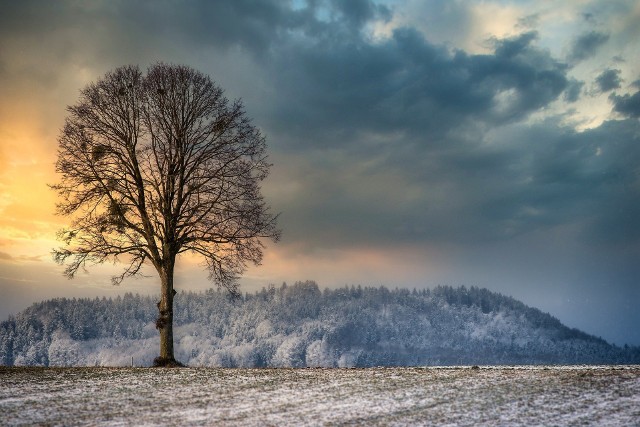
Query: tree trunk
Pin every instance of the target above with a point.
(164, 323)
(166, 314)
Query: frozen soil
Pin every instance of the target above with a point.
(538, 395)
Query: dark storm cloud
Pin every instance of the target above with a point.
(627, 105)
(525, 179)
(608, 80)
(405, 84)
(586, 45)
(574, 88)
(548, 175)
(359, 12)
(103, 34)
(590, 176)
(392, 139)
(395, 136)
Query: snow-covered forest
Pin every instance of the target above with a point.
(301, 325)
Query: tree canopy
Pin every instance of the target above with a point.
(153, 165)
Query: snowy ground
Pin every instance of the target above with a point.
(377, 396)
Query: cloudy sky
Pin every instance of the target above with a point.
(415, 143)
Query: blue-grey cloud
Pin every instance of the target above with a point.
(627, 105)
(586, 45)
(403, 111)
(529, 22)
(405, 84)
(573, 91)
(608, 80)
(359, 12)
(541, 177)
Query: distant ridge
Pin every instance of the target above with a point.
(300, 325)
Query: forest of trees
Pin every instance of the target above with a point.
(303, 326)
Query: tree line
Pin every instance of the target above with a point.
(301, 325)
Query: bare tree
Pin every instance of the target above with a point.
(156, 165)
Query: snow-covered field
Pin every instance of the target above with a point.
(539, 395)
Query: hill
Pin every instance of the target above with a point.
(300, 325)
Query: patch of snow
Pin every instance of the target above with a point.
(514, 395)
